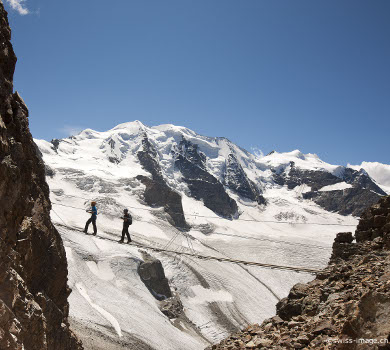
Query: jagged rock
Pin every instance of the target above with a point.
(351, 201)
(298, 291)
(362, 236)
(313, 178)
(324, 327)
(148, 159)
(157, 192)
(152, 274)
(236, 179)
(203, 185)
(33, 275)
(286, 308)
(49, 171)
(362, 180)
(344, 237)
(55, 143)
(379, 221)
(113, 160)
(364, 192)
(172, 307)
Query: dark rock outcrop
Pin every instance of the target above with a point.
(172, 307)
(152, 274)
(33, 267)
(375, 222)
(314, 178)
(351, 201)
(203, 185)
(361, 179)
(157, 192)
(55, 144)
(345, 307)
(238, 181)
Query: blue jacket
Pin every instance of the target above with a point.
(94, 212)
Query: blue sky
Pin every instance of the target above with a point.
(268, 74)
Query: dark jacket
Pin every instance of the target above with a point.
(127, 219)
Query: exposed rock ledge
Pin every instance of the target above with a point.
(347, 306)
(33, 268)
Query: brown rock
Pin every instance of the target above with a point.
(324, 327)
(362, 236)
(33, 274)
(250, 345)
(262, 342)
(344, 237)
(152, 274)
(379, 221)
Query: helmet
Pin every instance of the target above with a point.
(125, 210)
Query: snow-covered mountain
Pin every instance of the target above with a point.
(377, 171)
(191, 193)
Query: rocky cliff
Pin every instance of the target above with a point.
(347, 305)
(202, 185)
(363, 192)
(157, 192)
(33, 268)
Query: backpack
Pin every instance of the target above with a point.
(129, 220)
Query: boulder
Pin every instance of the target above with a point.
(152, 274)
(344, 237)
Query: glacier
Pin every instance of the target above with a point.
(272, 222)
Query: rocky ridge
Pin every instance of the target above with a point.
(157, 192)
(345, 307)
(203, 186)
(350, 201)
(33, 268)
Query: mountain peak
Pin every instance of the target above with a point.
(133, 125)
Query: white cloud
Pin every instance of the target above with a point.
(257, 152)
(378, 171)
(19, 6)
(69, 130)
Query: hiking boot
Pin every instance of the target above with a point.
(120, 241)
(129, 241)
(85, 232)
(94, 233)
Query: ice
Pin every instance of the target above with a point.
(335, 187)
(218, 297)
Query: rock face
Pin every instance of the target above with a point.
(152, 274)
(345, 307)
(363, 193)
(157, 192)
(203, 185)
(313, 178)
(238, 181)
(351, 201)
(33, 267)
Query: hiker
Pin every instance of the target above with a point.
(127, 221)
(92, 219)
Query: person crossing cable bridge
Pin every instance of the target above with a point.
(93, 212)
(127, 221)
